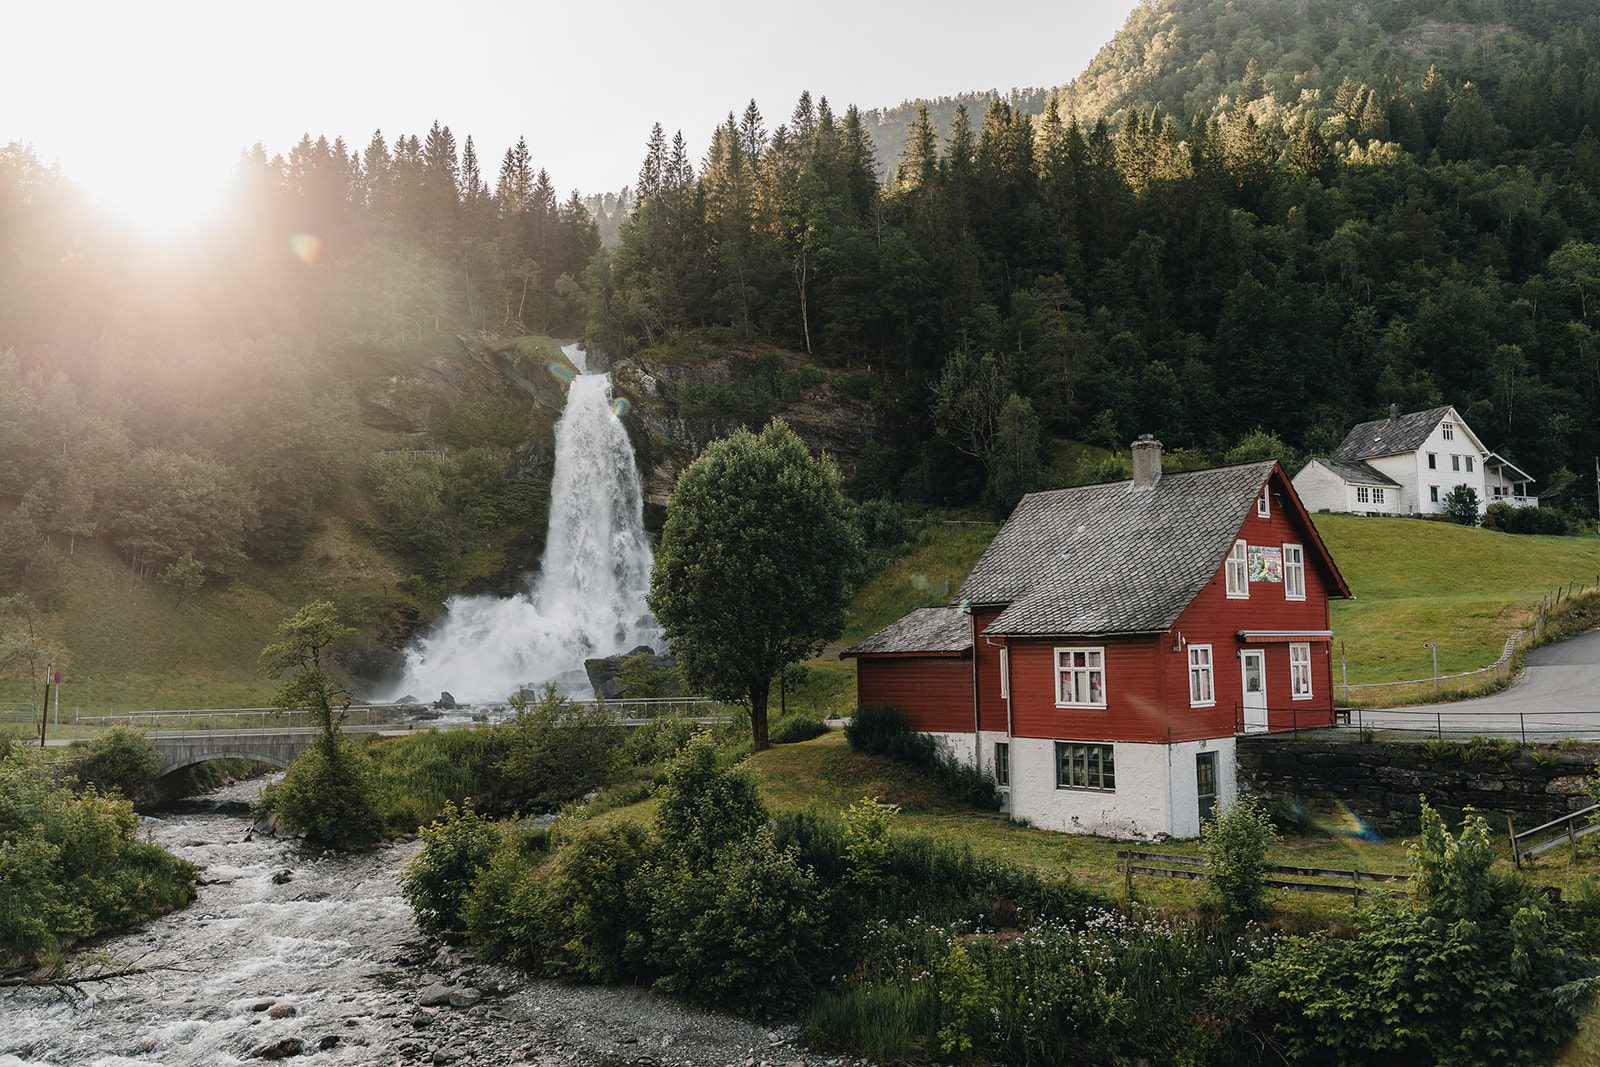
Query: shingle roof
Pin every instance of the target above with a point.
(924, 630)
(1389, 437)
(1103, 559)
(1358, 471)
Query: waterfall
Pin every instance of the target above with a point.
(589, 597)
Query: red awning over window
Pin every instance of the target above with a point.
(1283, 637)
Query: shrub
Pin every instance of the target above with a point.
(594, 914)
(705, 808)
(658, 740)
(455, 847)
(72, 866)
(503, 913)
(557, 751)
(740, 932)
(796, 727)
(1477, 962)
(1537, 520)
(1461, 505)
(328, 795)
(1236, 843)
(887, 732)
(123, 760)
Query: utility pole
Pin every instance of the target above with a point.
(44, 704)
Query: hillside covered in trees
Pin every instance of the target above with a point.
(1244, 216)
(1259, 215)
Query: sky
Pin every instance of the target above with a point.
(147, 105)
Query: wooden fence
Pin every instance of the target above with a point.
(1344, 882)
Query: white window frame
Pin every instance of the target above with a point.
(1097, 757)
(1300, 670)
(1455, 462)
(1449, 429)
(1363, 495)
(1005, 673)
(1433, 461)
(1236, 571)
(1088, 670)
(1264, 505)
(1377, 494)
(1433, 494)
(1469, 464)
(1294, 573)
(1002, 764)
(1202, 677)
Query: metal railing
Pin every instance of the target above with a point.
(1564, 830)
(1441, 722)
(1277, 720)
(186, 719)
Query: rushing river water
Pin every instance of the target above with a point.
(288, 952)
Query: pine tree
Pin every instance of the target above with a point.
(921, 160)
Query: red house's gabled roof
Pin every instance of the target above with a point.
(924, 632)
(1113, 558)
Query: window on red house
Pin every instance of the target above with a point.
(1300, 671)
(1202, 683)
(1081, 677)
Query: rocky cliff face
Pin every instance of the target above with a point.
(676, 411)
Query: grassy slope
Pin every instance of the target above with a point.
(1464, 588)
(140, 644)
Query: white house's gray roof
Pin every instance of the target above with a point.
(930, 630)
(1358, 471)
(1103, 559)
(1389, 437)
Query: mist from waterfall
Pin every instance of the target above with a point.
(589, 598)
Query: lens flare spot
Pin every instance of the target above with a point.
(919, 582)
(307, 246)
(620, 406)
(966, 606)
(560, 371)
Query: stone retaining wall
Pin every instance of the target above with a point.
(1380, 781)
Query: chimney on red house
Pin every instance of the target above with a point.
(1146, 462)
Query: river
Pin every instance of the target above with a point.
(287, 952)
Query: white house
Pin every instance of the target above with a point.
(1407, 465)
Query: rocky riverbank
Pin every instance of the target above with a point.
(286, 955)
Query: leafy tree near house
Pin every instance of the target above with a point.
(754, 567)
(1461, 504)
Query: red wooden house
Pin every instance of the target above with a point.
(1114, 639)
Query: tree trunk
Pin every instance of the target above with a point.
(758, 713)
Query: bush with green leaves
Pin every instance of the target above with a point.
(123, 760)
(740, 932)
(1476, 968)
(504, 911)
(795, 727)
(1113, 988)
(329, 795)
(455, 848)
(659, 740)
(704, 807)
(73, 865)
(557, 751)
(882, 731)
(1235, 844)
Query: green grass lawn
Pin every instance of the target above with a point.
(1466, 589)
(137, 644)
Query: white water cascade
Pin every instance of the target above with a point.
(589, 598)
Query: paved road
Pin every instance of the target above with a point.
(1558, 696)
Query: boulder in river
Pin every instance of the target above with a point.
(446, 702)
(281, 1049)
(634, 674)
(465, 997)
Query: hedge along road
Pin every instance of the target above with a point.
(1558, 696)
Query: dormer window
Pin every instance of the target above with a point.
(1449, 431)
(1263, 505)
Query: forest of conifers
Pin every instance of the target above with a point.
(1246, 215)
